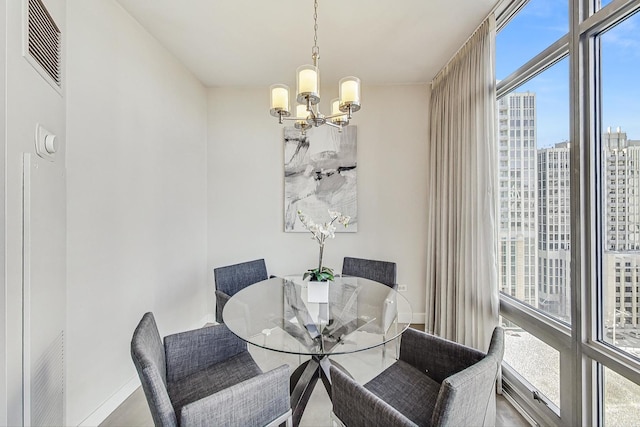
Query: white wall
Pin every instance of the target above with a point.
(137, 176)
(246, 184)
(29, 99)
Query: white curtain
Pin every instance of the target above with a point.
(462, 281)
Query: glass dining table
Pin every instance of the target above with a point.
(278, 314)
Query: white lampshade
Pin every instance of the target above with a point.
(349, 91)
(301, 111)
(335, 106)
(335, 109)
(279, 98)
(307, 84)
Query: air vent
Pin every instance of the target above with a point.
(47, 386)
(44, 40)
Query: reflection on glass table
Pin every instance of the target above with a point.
(276, 314)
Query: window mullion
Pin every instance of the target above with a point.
(619, 362)
(578, 411)
(545, 59)
(608, 16)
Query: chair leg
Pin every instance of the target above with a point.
(397, 348)
(396, 356)
(397, 340)
(335, 421)
(281, 421)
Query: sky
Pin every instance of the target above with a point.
(537, 26)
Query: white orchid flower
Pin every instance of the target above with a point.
(306, 221)
(320, 232)
(331, 232)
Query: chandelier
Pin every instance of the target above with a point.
(307, 112)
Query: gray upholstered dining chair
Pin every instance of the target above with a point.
(434, 383)
(380, 271)
(233, 278)
(206, 377)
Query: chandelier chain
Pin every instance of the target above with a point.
(315, 51)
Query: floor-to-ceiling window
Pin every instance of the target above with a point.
(569, 209)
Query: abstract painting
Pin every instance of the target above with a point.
(320, 174)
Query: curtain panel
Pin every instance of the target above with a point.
(462, 274)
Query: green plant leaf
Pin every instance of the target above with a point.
(319, 276)
(324, 276)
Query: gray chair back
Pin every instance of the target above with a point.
(469, 395)
(380, 271)
(233, 278)
(147, 352)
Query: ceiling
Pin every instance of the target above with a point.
(258, 42)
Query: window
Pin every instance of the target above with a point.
(548, 20)
(621, 400)
(620, 146)
(583, 146)
(544, 290)
(526, 354)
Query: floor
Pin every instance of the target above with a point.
(362, 366)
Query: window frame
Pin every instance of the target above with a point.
(583, 352)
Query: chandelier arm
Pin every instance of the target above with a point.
(341, 114)
(295, 118)
(333, 124)
(334, 116)
(315, 114)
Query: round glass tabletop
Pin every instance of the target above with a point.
(290, 315)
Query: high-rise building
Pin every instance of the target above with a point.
(621, 234)
(554, 231)
(517, 186)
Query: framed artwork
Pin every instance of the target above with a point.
(320, 174)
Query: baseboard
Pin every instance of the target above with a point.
(209, 319)
(112, 403)
(415, 318)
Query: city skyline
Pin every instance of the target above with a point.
(534, 228)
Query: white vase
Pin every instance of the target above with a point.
(318, 291)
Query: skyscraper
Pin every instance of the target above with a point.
(554, 231)
(517, 186)
(621, 234)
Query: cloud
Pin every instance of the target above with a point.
(624, 36)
